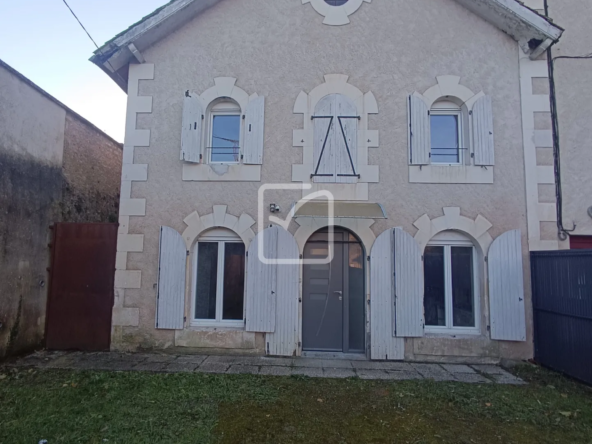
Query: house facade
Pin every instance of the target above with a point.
(571, 76)
(55, 166)
(348, 176)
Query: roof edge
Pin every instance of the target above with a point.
(66, 108)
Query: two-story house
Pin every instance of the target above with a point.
(342, 176)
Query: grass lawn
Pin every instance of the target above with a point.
(102, 407)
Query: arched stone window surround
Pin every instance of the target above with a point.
(449, 88)
(477, 230)
(366, 104)
(196, 225)
(336, 15)
(224, 87)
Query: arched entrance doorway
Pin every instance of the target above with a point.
(333, 294)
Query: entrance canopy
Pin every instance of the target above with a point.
(355, 210)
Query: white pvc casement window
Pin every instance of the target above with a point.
(224, 133)
(446, 127)
(219, 280)
(451, 302)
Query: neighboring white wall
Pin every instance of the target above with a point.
(30, 124)
(281, 48)
(573, 81)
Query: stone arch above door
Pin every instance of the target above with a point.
(359, 227)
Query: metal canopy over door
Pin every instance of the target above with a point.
(333, 305)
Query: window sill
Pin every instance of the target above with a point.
(225, 172)
(213, 326)
(451, 333)
(451, 174)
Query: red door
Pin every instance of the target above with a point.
(581, 242)
(80, 300)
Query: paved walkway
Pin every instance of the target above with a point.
(316, 368)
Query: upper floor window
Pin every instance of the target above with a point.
(446, 133)
(224, 132)
(335, 140)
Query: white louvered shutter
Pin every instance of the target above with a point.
(284, 340)
(324, 140)
(191, 134)
(172, 261)
(409, 285)
(506, 288)
(383, 344)
(254, 132)
(419, 131)
(483, 132)
(262, 283)
(346, 139)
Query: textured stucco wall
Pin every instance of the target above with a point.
(92, 174)
(574, 103)
(31, 149)
(280, 48)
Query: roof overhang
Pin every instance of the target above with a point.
(534, 32)
(116, 55)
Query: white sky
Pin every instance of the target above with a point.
(43, 41)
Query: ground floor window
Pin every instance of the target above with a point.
(219, 282)
(450, 301)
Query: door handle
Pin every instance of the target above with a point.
(340, 293)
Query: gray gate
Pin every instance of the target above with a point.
(562, 300)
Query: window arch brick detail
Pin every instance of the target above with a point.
(196, 225)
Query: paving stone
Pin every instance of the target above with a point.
(190, 359)
(248, 360)
(213, 367)
(150, 366)
(220, 359)
(161, 358)
(275, 371)
(339, 373)
(180, 367)
(308, 362)
(313, 372)
(282, 362)
(379, 365)
(64, 362)
(471, 378)
(433, 371)
(106, 365)
(372, 374)
(508, 379)
(458, 368)
(243, 369)
(403, 376)
(489, 369)
(337, 363)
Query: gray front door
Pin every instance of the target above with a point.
(333, 305)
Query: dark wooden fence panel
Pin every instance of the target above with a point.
(562, 302)
(80, 299)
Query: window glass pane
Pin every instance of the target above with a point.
(225, 139)
(444, 138)
(336, 2)
(463, 302)
(234, 281)
(357, 319)
(207, 276)
(435, 292)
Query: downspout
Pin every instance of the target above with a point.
(562, 233)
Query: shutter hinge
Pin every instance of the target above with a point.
(242, 156)
(486, 258)
(201, 157)
(203, 117)
(471, 113)
(368, 258)
(187, 94)
(429, 113)
(472, 155)
(187, 252)
(244, 117)
(184, 319)
(299, 344)
(247, 254)
(301, 257)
